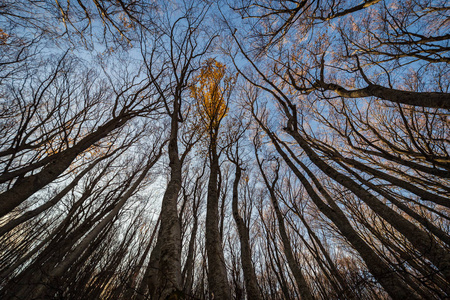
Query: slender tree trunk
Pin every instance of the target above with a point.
(390, 281)
(166, 257)
(417, 263)
(251, 285)
(425, 195)
(344, 289)
(30, 214)
(442, 235)
(418, 238)
(217, 272)
(132, 286)
(188, 271)
(27, 186)
(302, 285)
(56, 267)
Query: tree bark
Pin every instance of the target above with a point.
(423, 99)
(390, 281)
(420, 239)
(217, 271)
(27, 186)
(166, 257)
(302, 285)
(251, 284)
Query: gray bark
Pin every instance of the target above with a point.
(217, 272)
(25, 187)
(302, 285)
(165, 263)
(423, 99)
(251, 284)
(388, 279)
(418, 238)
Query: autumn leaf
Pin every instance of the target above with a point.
(211, 90)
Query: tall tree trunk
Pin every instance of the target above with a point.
(422, 241)
(302, 285)
(251, 285)
(57, 164)
(188, 270)
(217, 272)
(166, 257)
(390, 281)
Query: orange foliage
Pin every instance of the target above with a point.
(211, 89)
(3, 37)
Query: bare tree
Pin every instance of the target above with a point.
(183, 53)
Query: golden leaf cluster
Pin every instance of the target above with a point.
(211, 90)
(3, 37)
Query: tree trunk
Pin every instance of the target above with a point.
(168, 247)
(27, 186)
(302, 285)
(390, 281)
(251, 285)
(217, 272)
(418, 238)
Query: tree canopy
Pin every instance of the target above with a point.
(225, 149)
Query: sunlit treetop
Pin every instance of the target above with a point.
(211, 90)
(3, 37)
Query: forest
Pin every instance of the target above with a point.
(228, 149)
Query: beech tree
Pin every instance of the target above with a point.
(212, 90)
(306, 120)
(183, 54)
(224, 150)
